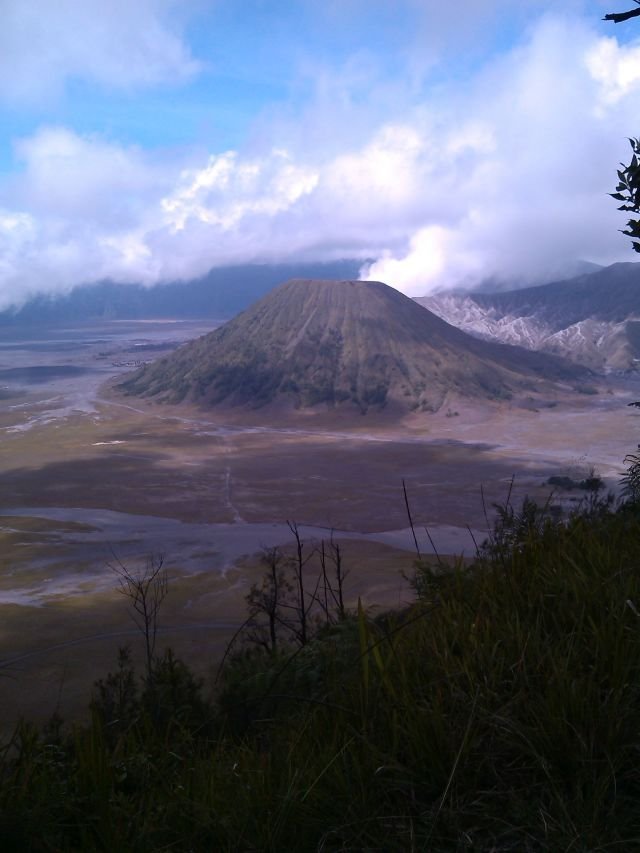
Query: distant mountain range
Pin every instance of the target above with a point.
(343, 344)
(498, 284)
(592, 319)
(222, 293)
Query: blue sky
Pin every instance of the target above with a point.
(151, 140)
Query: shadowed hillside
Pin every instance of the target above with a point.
(222, 293)
(341, 343)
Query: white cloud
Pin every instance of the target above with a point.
(615, 67)
(115, 43)
(385, 170)
(532, 196)
(78, 211)
(228, 189)
(69, 177)
(504, 177)
(428, 258)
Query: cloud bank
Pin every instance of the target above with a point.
(444, 185)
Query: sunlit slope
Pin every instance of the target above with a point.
(342, 344)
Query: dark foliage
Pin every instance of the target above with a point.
(500, 712)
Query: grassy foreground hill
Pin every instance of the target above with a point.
(350, 344)
(500, 713)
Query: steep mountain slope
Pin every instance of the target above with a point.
(591, 319)
(342, 343)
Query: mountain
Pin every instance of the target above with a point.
(562, 272)
(593, 319)
(221, 293)
(348, 344)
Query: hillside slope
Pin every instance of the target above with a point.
(591, 319)
(341, 343)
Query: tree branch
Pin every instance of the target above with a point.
(619, 17)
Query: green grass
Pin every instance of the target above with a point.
(501, 712)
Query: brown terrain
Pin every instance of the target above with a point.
(92, 476)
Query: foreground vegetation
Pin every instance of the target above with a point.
(500, 712)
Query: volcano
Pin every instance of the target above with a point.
(343, 344)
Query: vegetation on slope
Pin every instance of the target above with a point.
(501, 712)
